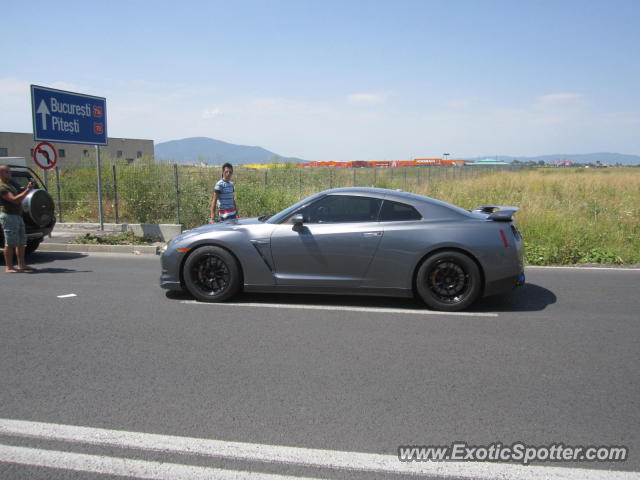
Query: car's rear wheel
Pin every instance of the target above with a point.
(212, 274)
(448, 281)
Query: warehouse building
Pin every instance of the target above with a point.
(125, 149)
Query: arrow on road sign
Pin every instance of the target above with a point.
(45, 154)
(43, 111)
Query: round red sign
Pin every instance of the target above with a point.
(45, 155)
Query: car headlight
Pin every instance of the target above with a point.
(163, 248)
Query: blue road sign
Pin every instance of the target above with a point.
(68, 117)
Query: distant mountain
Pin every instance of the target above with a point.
(605, 158)
(215, 152)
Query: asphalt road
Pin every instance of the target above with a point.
(557, 361)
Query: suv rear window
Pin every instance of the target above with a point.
(398, 212)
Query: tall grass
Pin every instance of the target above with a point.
(566, 215)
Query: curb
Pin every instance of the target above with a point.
(166, 231)
(80, 248)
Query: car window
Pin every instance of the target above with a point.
(397, 212)
(342, 209)
(19, 179)
(282, 216)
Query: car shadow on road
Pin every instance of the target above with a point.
(177, 295)
(528, 298)
(310, 299)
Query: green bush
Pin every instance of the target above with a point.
(124, 238)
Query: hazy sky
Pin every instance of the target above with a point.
(340, 80)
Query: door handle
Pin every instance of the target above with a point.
(372, 234)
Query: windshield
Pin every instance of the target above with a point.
(279, 217)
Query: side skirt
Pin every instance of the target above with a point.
(385, 292)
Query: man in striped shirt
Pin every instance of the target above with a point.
(222, 197)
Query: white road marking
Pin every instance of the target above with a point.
(252, 452)
(125, 467)
(68, 295)
(341, 308)
(617, 269)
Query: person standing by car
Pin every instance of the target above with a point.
(15, 237)
(222, 197)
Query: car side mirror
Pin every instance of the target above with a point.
(298, 219)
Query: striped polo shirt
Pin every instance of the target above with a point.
(226, 204)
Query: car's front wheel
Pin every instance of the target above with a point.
(212, 274)
(448, 281)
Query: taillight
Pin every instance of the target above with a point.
(504, 239)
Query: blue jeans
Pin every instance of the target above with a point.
(14, 231)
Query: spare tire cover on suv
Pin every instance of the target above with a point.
(38, 207)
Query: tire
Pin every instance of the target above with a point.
(32, 246)
(38, 208)
(449, 281)
(212, 274)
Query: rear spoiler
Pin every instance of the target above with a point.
(503, 214)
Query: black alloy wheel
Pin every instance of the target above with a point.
(448, 281)
(212, 274)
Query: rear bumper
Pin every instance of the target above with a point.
(37, 234)
(504, 285)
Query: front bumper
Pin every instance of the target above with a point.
(170, 284)
(170, 262)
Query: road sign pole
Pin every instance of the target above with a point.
(99, 174)
(115, 191)
(58, 193)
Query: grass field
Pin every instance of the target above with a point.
(567, 216)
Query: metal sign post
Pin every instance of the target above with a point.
(99, 174)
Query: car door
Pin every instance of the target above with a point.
(333, 247)
(406, 235)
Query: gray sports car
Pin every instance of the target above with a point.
(362, 241)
